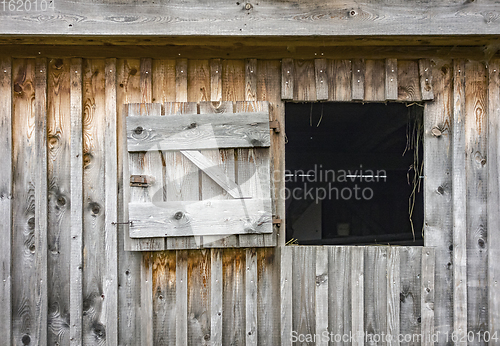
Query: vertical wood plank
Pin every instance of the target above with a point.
(358, 79)
(427, 298)
(23, 192)
(216, 297)
(250, 80)
(425, 74)
(303, 290)
(5, 199)
(147, 299)
(215, 80)
(393, 291)
(287, 79)
(476, 120)
(146, 80)
(59, 216)
(111, 206)
(164, 294)
(286, 290)
(128, 91)
(233, 80)
(375, 293)
(304, 86)
(494, 198)
(339, 80)
(268, 298)
(459, 187)
(76, 262)
(438, 212)
(408, 81)
(322, 300)
(320, 69)
(181, 298)
(339, 291)
(41, 198)
(181, 80)
(163, 80)
(391, 79)
(198, 84)
(233, 304)
(410, 290)
(357, 295)
(374, 80)
(251, 297)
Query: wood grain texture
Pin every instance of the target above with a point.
(493, 197)
(438, 229)
(321, 74)
(322, 301)
(410, 292)
(408, 81)
(23, 191)
(459, 188)
(59, 199)
(304, 86)
(198, 302)
(427, 297)
(268, 295)
(374, 80)
(391, 79)
(358, 79)
(251, 80)
(6, 199)
(375, 293)
(216, 289)
(215, 80)
(339, 291)
(198, 83)
(287, 79)
(425, 73)
(233, 80)
(297, 19)
(40, 294)
(233, 304)
(251, 331)
(357, 294)
(163, 71)
(181, 80)
(286, 295)
(393, 295)
(147, 299)
(339, 80)
(476, 120)
(164, 298)
(76, 181)
(181, 298)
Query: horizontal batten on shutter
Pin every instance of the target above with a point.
(200, 218)
(198, 131)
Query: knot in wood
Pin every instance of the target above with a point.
(248, 6)
(178, 215)
(192, 125)
(138, 130)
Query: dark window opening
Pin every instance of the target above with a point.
(354, 173)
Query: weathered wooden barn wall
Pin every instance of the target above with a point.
(63, 259)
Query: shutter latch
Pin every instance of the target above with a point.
(275, 125)
(141, 180)
(277, 221)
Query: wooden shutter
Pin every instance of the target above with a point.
(198, 171)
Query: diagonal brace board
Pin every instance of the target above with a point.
(214, 172)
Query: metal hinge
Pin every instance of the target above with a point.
(277, 221)
(275, 125)
(141, 180)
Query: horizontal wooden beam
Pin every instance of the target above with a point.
(263, 18)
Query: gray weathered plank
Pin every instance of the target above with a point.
(357, 295)
(339, 291)
(210, 217)
(322, 299)
(374, 80)
(40, 292)
(427, 299)
(181, 298)
(164, 298)
(438, 229)
(393, 291)
(459, 181)
(215, 80)
(358, 79)
(391, 79)
(251, 331)
(476, 120)
(493, 198)
(375, 294)
(425, 74)
(320, 69)
(110, 290)
(6, 199)
(304, 86)
(410, 290)
(286, 296)
(216, 296)
(339, 84)
(59, 189)
(146, 299)
(76, 262)
(287, 79)
(268, 281)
